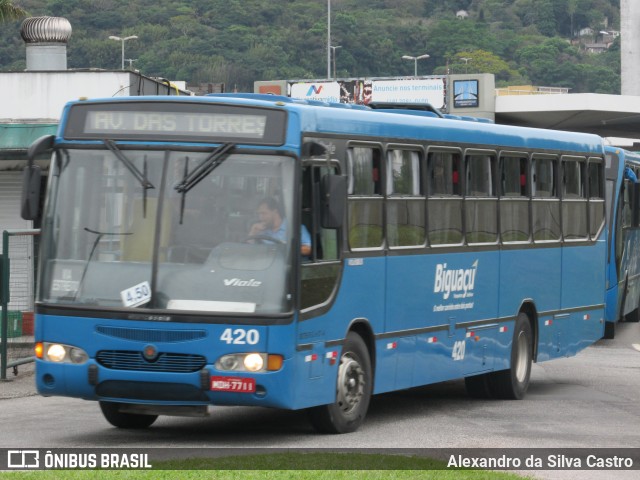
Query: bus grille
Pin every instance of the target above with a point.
(164, 362)
(151, 335)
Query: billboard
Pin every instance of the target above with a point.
(322, 91)
(465, 94)
(417, 90)
(431, 90)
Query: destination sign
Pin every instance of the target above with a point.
(245, 126)
(169, 121)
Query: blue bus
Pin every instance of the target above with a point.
(259, 250)
(623, 258)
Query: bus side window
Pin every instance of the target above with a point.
(514, 199)
(444, 206)
(320, 273)
(405, 199)
(627, 187)
(365, 198)
(324, 241)
(545, 207)
(481, 212)
(596, 196)
(574, 199)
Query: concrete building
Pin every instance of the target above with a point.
(630, 46)
(31, 102)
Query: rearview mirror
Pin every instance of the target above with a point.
(30, 208)
(31, 175)
(40, 145)
(333, 199)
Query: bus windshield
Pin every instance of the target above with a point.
(167, 230)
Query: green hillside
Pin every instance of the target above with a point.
(239, 41)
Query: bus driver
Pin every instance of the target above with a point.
(273, 224)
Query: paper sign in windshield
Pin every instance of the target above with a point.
(136, 295)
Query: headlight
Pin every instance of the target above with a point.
(56, 353)
(250, 362)
(253, 362)
(59, 353)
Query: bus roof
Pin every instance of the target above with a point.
(360, 121)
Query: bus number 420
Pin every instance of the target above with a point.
(458, 350)
(240, 336)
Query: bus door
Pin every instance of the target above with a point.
(628, 247)
(615, 196)
(320, 320)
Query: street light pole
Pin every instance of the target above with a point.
(466, 62)
(328, 39)
(120, 39)
(415, 62)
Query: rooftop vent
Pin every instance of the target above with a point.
(46, 40)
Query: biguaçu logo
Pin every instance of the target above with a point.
(460, 280)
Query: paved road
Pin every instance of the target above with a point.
(591, 400)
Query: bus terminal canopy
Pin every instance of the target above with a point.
(604, 115)
(15, 138)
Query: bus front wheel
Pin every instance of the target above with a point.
(115, 417)
(513, 383)
(353, 391)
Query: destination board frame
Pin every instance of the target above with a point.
(175, 122)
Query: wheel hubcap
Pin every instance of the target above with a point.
(350, 383)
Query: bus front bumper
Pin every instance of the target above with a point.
(207, 386)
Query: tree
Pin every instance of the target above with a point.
(237, 41)
(483, 61)
(8, 11)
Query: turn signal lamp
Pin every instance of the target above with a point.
(274, 362)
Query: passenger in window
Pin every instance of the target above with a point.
(273, 225)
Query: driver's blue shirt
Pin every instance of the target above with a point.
(281, 234)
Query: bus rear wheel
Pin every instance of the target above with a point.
(115, 417)
(353, 391)
(512, 384)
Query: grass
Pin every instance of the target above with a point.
(281, 466)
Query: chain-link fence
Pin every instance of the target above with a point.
(17, 286)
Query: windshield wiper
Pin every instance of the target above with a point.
(209, 164)
(140, 176)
